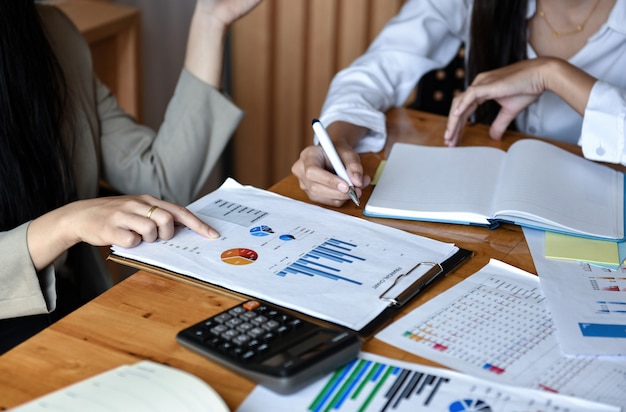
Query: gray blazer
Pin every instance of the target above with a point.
(106, 143)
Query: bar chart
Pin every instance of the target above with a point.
(328, 260)
(364, 384)
(373, 383)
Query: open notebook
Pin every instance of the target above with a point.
(534, 184)
(144, 386)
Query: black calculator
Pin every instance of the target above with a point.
(271, 346)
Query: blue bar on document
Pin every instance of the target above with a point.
(602, 330)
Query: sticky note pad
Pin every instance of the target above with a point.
(379, 171)
(602, 252)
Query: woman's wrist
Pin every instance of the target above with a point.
(48, 236)
(568, 82)
(346, 132)
(205, 47)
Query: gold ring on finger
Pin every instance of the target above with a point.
(150, 211)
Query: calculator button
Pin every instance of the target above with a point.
(256, 332)
(259, 320)
(262, 309)
(208, 323)
(253, 343)
(245, 327)
(251, 305)
(219, 329)
(241, 339)
(222, 317)
(236, 311)
(247, 355)
(271, 325)
(269, 336)
(233, 323)
(229, 334)
(294, 323)
(248, 316)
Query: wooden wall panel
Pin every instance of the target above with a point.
(321, 63)
(290, 59)
(252, 90)
(285, 54)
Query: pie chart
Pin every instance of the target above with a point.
(239, 256)
(470, 405)
(261, 231)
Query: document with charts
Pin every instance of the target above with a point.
(303, 257)
(496, 325)
(373, 383)
(587, 302)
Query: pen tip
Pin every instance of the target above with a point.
(314, 120)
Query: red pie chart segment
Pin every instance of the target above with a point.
(239, 256)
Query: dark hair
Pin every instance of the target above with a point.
(34, 172)
(498, 38)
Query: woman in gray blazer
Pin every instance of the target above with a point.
(61, 131)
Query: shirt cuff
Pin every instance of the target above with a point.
(602, 136)
(375, 122)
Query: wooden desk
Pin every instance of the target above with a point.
(139, 318)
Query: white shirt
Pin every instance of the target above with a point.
(426, 35)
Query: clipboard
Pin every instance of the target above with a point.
(436, 272)
(298, 256)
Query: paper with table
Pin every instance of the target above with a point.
(587, 303)
(299, 256)
(374, 383)
(496, 325)
(534, 184)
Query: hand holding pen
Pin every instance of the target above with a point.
(333, 157)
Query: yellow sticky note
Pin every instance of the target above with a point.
(560, 246)
(379, 171)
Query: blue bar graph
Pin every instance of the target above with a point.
(326, 260)
(602, 330)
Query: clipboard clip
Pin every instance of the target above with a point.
(415, 287)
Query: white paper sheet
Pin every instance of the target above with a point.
(324, 263)
(588, 303)
(496, 325)
(375, 383)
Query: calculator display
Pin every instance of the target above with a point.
(312, 346)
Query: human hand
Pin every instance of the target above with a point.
(316, 175)
(514, 87)
(227, 11)
(120, 220)
(205, 45)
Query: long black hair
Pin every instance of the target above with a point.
(34, 172)
(498, 38)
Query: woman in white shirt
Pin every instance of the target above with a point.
(562, 78)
